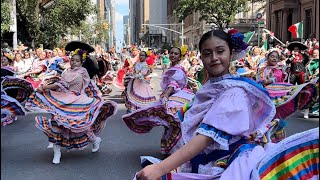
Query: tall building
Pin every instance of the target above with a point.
(144, 14)
(126, 30)
(155, 12)
(283, 13)
(133, 20)
(108, 15)
(113, 22)
(172, 37)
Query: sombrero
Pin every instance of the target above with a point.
(90, 63)
(298, 44)
(73, 45)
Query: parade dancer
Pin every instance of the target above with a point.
(271, 73)
(288, 98)
(138, 91)
(10, 109)
(164, 112)
(127, 68)
(79, 113)
(14, 91)
(225, 114)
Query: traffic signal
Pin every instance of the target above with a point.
(105, 25)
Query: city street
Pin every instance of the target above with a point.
(24, 153)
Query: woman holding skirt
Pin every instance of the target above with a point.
(164, 112)
(138, 91)
(78, 112)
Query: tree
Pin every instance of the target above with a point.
(47, 26)
(218, 12)
(6, 9)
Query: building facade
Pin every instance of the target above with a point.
(156, 14)
(108, 20)
(194, 29)
(281, 14)
(134, 20)
(173, 38)
(126, 30)
(113, 23)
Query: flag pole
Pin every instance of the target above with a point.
(276, 39)
(251, 36)
(302, 32)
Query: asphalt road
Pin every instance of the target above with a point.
(24, 155)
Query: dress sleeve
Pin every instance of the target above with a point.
(62, 85)
(174, 78)
(228, 116)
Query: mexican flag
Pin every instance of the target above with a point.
(248, 36)
(296, 30)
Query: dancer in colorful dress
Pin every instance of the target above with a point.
(14, 91)
(164, 112)
(288, 98)
(10, 109)
(79, 113)
(127, 68)
(138, 91)
(225, 115)
(271, 73)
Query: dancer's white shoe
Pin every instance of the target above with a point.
(96, 144)
(56, 154)
(50, 145)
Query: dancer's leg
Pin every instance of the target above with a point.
(95, 141)
(56, 154)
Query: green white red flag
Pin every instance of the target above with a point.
(296, 30)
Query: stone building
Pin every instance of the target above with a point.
(281, 14)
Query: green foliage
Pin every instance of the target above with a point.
(101, 33)
(47, 26)
(218, 12)
(6, 9)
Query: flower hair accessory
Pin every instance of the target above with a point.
(237, 40)
(81, 53)
(184, 49)
(238, 43)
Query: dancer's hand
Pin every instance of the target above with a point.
(151, 172)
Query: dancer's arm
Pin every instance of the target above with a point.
(167, 92)
(183, 155)
(47, 87)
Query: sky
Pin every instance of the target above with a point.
(122, 9)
